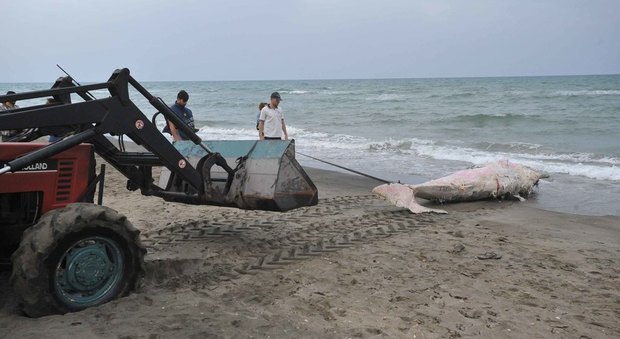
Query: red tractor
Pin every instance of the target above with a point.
(68, 253)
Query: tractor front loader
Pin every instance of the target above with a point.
(68, 253)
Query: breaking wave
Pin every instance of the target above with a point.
(579, 164)
(293, 92)
(412, 152)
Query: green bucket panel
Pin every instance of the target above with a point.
(235, 148)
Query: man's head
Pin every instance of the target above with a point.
(275, 99)
(182, 98)
(10, 103)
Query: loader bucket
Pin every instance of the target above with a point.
(268, 179)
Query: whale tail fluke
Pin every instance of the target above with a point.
(403, 196)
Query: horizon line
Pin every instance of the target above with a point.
(346, 79)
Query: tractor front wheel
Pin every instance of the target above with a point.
(76, 257)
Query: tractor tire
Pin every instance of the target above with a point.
(76, 257)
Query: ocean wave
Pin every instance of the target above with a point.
(391, 146)
(512, 146)
(532, 94)
(451, 95)
(460, 95)
(573, 164)
(330, 92)
(579, 164)
(335, 141)
(588, 92)
(484, 118)
(411, 151)
(387, 97)
(293, 92)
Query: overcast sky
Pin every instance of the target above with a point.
(307, 39)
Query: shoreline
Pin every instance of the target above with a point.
(544, 202)
(487, 269)
(536, 201)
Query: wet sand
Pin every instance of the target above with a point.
(354, 266)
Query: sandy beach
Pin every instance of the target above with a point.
(455, 100)
(354, 267)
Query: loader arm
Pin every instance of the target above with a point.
(90, 120)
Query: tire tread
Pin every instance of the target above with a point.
(29, 275)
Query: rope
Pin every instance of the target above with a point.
(347, 169)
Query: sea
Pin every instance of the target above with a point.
(413, 130)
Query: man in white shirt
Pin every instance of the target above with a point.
(271, 124)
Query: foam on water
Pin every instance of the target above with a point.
(293, 92)
(343, 146)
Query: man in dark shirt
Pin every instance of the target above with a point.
(182, 112)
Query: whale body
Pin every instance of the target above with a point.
(502, 179)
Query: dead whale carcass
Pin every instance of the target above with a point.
(494, 180)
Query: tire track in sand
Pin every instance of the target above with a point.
(267, 241)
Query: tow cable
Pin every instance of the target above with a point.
(347, 169)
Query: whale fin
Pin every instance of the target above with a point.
(403, 196)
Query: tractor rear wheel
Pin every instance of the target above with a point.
(76, 257)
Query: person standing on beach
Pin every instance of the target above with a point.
(7, 134)
(271, 124)
(260, 108)
(179, 108)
